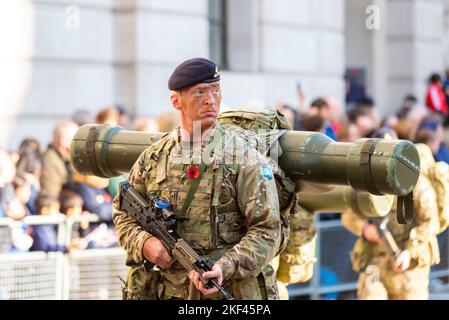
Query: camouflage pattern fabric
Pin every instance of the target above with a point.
(380, 282)
(233, 218)
(297, 250)
(298, 259)
(419, 239)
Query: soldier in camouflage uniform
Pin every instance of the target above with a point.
(406, 276)
(233, 218)
(295, 264)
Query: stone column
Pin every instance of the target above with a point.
(298, 41)
(56, 58)
(414, 47)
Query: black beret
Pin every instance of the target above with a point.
(193, 71)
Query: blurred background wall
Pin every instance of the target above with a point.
(59, 56)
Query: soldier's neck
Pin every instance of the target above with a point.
(193, 133)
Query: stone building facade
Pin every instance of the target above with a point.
(59, 56)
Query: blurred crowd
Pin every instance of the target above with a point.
(37, 181)
(423, 121)
(41, 181)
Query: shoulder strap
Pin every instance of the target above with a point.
(405, 209)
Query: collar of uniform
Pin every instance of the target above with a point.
(176, 134)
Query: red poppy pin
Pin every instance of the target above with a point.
(193, 173)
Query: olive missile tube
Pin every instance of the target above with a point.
(376, 166)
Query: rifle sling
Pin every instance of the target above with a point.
(405, 209)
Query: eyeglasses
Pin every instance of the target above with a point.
(200, 93)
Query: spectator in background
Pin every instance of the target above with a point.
(29, 145)
(320, 107)
(335, 113)
(97, 201)
(367, 105)
(354, 91)
(446, 86)
(301, 100)
(383, 133)
(431, 132)
(349, 133)
(82, 117)
(146, 125)
(95, 198)
(10, 205)
(23, 190)
(313, 123)
(45, 237)
(108, 116)
(405, 130)
(167, 121)
(408, 103)
(363, 119)
(123, 119)
(428, 137)
(435, 98)
(71, 204)
(293, 117)
(390, 121)
(29, 167)
(56, 166)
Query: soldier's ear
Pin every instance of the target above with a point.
(175, 99)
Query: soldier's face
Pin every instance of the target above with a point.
(200, 103)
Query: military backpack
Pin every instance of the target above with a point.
(269, 125)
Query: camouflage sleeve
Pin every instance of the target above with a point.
(258, 201)
(130, 235)
(426, 224)
(352, 222)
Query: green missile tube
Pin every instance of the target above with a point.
(341, 198)
(376, 166)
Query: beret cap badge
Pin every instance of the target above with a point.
(217, 73)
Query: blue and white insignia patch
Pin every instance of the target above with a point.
(267, 173)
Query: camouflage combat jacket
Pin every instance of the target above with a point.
(233, 218)
(419, 238)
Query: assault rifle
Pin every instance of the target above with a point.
(154, 215)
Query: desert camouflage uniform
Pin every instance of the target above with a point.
(233, 218)
(377, 279)
(296, 263)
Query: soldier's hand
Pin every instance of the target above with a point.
(216, 273)
(402, 262)
(370, 233)
(155, 252)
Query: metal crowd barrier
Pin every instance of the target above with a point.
(31, 276)
(94, 274)
(333, 275)
(88, 274)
